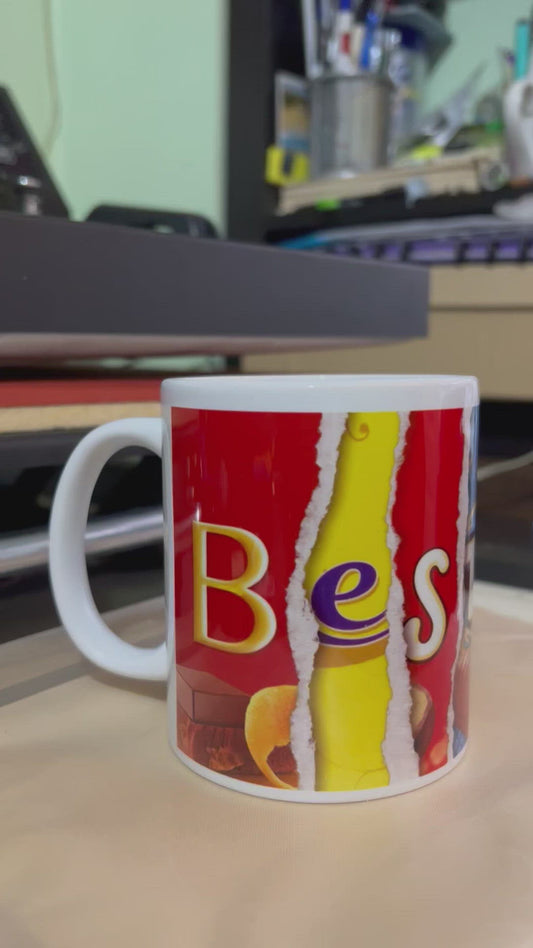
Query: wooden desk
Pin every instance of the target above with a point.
(481, 323)
(107, 839)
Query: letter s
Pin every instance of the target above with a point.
(418, 651)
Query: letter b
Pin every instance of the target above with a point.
(264, 628)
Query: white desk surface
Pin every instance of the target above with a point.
(106, 839)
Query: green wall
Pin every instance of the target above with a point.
(479, 27)
(125, 98)
(27, 67)
(142, 87)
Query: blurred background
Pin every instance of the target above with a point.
(392, 131)
(128, 103)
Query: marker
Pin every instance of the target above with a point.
(325, 22)
(344, 23)
(522, 44)
(371, 25)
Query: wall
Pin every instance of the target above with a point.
(28, 69)
(126, 99)
(479, 27)
(142, 88)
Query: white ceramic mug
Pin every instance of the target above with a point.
(318, 538)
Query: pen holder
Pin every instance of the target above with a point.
(350, 124)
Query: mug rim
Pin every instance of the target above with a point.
(321, 392)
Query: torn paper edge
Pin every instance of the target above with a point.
(462, 524)
(302, 627)
(398, 746)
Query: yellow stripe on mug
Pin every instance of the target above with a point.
(347, 579)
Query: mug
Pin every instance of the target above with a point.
(318, 562)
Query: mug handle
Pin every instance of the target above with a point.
(68, 568)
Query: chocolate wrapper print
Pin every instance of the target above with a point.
(322, 578)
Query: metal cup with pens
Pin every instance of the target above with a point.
(351, 93)
(350, 123)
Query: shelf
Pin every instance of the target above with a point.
(86, 289)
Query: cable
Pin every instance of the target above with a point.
(502, 467)
(53, 82)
